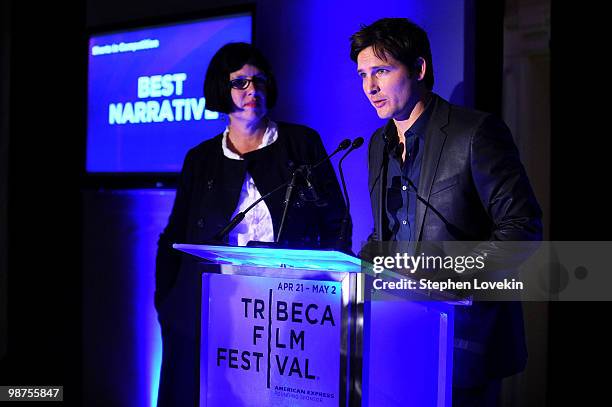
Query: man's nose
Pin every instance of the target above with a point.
(372, 86)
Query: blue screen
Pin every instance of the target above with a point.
(145, 93)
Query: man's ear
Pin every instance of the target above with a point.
(420, 67)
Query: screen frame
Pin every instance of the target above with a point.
(130, 180)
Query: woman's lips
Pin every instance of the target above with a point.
(251, 104)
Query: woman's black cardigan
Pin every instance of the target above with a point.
(209, 189)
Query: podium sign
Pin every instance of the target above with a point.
(264, 340)
(298, 328)
(276, 327)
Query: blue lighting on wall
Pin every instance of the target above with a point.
(318, 83)
(151, 209)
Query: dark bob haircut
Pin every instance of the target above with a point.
(399, 37)
(230, 58)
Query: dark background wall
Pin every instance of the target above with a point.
(580, 204)
(42, 127)
(4, 114)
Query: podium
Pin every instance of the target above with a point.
(284, 327)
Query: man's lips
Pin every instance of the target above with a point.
(379, 103)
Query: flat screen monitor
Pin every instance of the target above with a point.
(145, 93)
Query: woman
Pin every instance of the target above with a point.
(222, 177)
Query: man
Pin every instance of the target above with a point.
(439, 172)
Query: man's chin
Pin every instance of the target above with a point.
(383, 114)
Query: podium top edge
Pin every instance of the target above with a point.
(273, 257)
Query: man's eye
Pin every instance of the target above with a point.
(362, 75)
(381, 72)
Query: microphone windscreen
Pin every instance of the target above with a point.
(346, 143)
(391, 141)
(358, 142)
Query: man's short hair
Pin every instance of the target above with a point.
(230, 58)
(399, 37)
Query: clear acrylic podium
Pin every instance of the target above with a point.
(284, 327)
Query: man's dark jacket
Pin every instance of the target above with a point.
(476, 189)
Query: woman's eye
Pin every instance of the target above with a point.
(239, 83)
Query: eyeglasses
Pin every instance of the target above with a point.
(243, 83)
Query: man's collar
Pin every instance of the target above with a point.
(419, 127)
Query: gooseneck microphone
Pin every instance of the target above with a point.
(391, 144)
(358, 142)
(290, 185)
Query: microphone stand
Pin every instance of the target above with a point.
(286, 202)
(345, 219)
(391, 144)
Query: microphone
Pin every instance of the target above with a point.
(393, 145)
(358, 142)
(346, 143)
(391, 141)
(310, 192)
